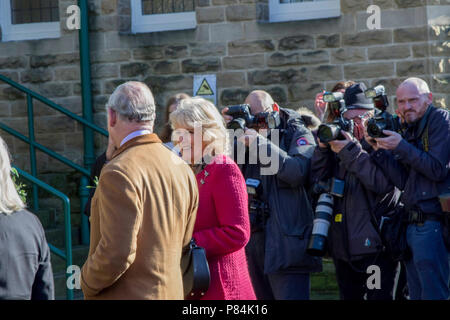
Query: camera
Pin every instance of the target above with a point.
(324, 213)
(336, 106)
(335, 102)
(242, 118)
(332, 131)
(382, 120)
(258, 209)
(322, 221)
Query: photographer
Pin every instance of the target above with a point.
(280, 212)
(418, 163)
(365, 194)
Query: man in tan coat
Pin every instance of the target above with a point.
(143, 211)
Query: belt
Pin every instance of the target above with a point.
(419, 217)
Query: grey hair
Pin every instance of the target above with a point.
(9, 198)
(133, 101)
(420, 84)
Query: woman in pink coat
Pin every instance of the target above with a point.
(222, 226)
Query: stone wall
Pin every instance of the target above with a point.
(291, 60)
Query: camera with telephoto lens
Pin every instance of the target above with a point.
(336, 106)
(324, 213)
(242, 118)
(382, 120)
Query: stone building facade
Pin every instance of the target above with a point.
(234, 40)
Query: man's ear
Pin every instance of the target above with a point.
(430, 98)
(112, 117)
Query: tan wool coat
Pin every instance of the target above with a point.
(142, 216)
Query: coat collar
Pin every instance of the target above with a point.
(144, 139)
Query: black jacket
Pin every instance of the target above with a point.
(368, 194)
(290, 218)
(422, 175)
(25, 269)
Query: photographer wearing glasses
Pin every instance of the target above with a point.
(354, 193)
(418, 162)
(280, 212)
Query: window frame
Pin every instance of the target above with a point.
(280, 12)
(141, 23)
(25, 31)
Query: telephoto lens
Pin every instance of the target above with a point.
(324, 213)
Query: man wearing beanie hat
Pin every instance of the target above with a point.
(353, 240)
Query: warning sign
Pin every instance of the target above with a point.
(205, 87)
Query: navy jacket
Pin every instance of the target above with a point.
(368, 195)
(290, 218)
(25, 269)
(421, 175)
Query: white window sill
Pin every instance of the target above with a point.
(160, 22)
(280, 12)
(30, 31)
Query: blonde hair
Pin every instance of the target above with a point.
(9, 198)
(196, 111)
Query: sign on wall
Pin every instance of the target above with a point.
(205, 87)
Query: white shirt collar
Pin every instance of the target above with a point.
(134, 134)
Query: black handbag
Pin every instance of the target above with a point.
(393, 234)
(196, 276)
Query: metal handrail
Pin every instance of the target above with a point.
(53, 105)
(33, 145)
(67, 254)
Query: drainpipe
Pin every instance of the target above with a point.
(88, 136)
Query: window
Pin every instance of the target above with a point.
(287, 10)
(29, 20)
(162, 15)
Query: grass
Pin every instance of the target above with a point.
(323, 284)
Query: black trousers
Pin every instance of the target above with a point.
(352, 278)
(278, 286)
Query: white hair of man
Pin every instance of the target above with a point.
(9, 198)
(133, 101)
(421, 85)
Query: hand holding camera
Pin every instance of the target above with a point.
(391, 140)
(383, 120)
(338, 145)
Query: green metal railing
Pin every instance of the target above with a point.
(33, 145)
(67, 253)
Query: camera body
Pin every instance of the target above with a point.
(336, 106)
(335, 102)
(258, 209)
(332, 131)
(242, 118)
(382, 120)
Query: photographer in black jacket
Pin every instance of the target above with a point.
(353, 240)
(418, 162)
(280, 211)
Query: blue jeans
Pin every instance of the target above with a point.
(428, 269)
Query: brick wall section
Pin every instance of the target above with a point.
(291, 60)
